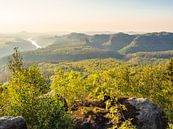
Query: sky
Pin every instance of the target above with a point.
(86, 15)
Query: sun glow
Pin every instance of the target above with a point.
(85, 15)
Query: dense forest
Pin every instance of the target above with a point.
(46, 94)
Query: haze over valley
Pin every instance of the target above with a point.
(77, 46)
(86, 64)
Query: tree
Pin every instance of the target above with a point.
(15, 61)
(25, 95)
(170, 70)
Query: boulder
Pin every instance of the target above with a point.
(150, 116)
(9, 122)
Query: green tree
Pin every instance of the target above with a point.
(69, 85)
(25, 96)
(15, 61)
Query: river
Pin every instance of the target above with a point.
(34, 43)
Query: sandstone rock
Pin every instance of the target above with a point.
(90, 114)
(144, 114)
(9, 122)
(150, 116)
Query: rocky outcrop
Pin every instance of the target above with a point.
(8, 122)
(91, 113)
(150, 115)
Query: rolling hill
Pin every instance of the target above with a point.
(79, 46)
(150, 42)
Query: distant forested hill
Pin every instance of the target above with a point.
(79, 46)
(150, 43)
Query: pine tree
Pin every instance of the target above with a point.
(15, 61)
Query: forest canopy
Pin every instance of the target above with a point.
(46, 101)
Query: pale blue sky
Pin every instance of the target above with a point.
(86, 15)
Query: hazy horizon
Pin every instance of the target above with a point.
(86, 15)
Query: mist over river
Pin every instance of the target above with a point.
(34, 43)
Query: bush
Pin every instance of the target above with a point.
(25, 97)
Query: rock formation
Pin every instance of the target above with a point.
(9, 122)
(150, 115)
(145, 114)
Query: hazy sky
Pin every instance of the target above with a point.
(86, 15)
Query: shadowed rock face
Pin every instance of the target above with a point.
(8, 122)
(144, 114)
(150, 115)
